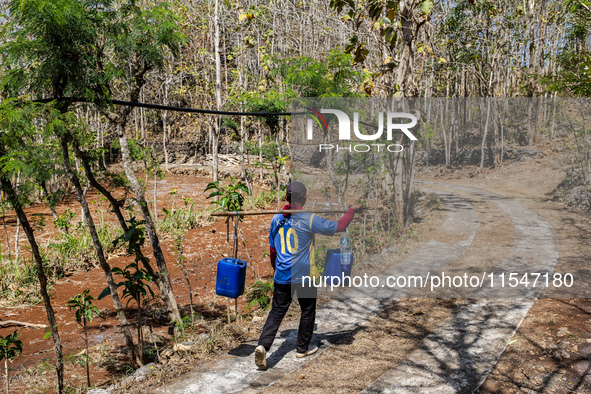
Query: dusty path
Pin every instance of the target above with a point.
(455, 356)
(458, 356)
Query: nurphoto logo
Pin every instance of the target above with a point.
(392, 125)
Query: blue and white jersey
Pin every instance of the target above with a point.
(293, 239)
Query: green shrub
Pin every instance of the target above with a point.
(74, 251)
(260, 200)
(260, 294)
(183, 218)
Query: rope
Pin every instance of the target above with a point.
(235, 244)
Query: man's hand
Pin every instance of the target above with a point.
(356, 207)
(348, 217)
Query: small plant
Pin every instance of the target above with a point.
(64, 221)
(182, 325)
(230, 197)
(180, 262)
(85, 312)
(10, 348)
(173, 194)
(82, 360)
(260, 294)
(40, 223)
(134, 236)
(136, 288)
(126, 369)
(182, 218)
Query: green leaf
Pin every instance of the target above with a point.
(104, 293)
(212, 185)
(426, 6)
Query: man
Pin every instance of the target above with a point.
(291, 242)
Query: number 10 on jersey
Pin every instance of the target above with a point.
(286, 239)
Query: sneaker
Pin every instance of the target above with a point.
(260, 357)
(308, 352)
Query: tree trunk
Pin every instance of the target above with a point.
(86, 344)
(214, 151)
(410, 188)
(330, 168)
(155, 192)
(164, 140)
(150, 228)
(140, 338)
(7, 238)
(260, 141)
(406, 55)
(46, 197)
(18, 225)
(484, 137)
(116, 207)
(242, 168)
(218, 89)
(445, 139)
(99, 252)
(398, 185)
(14, 201)
(142, 124)
(502, 139)
(280, 153)
(553, 115)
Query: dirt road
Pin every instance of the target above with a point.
(454, 357)
(507, 220)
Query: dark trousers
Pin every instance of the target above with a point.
(282, 297)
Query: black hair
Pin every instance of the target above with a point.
(295, 197)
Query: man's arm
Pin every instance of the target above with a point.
(320, 225)
(272, 250)
(272, 256)
(344, 222)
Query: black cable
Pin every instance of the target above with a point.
(210, 111)
(180, 109)
(190, 110)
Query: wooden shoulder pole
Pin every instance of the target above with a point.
(276, 211)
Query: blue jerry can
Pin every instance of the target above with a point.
(231, 276)
(333, 268)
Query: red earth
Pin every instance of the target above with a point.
(203, 247)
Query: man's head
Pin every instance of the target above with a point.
(296, 193)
